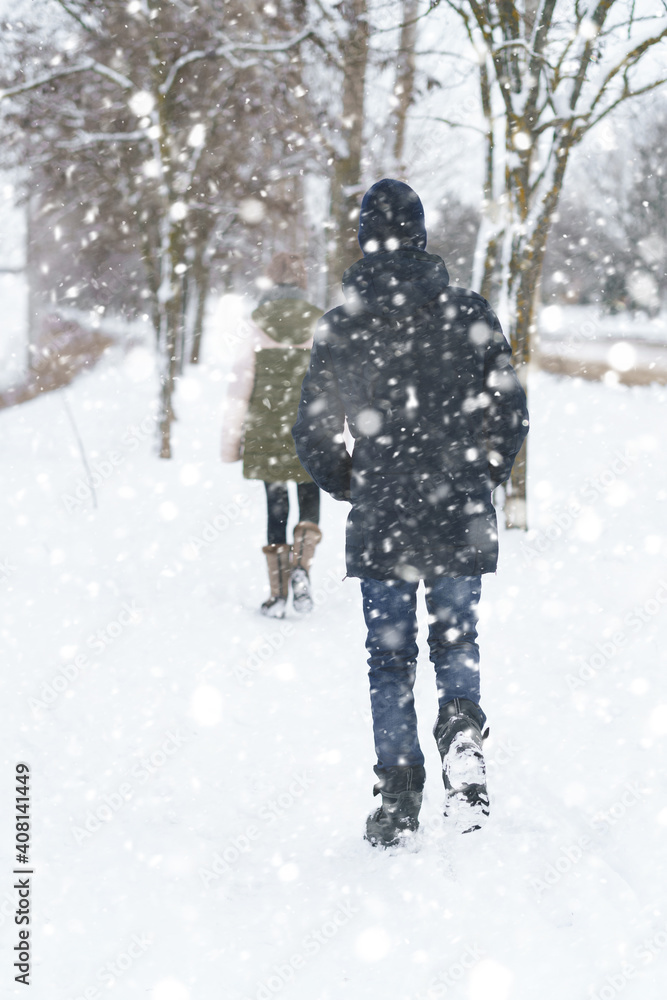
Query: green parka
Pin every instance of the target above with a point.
(288, 322)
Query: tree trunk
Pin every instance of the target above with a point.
(150, 256)
(346, 180)
(173, 323)
(521, 304)
(170, 298)
(490, 233)
(202, 280)
(34, 299)
(186, 309)
(404, 89)
(524, 274)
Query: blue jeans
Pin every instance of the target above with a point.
(391, 618)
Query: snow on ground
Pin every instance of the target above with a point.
(13, 351)
(201, 775)
(588, 323)
(624, 342)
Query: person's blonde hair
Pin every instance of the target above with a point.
(287, 269)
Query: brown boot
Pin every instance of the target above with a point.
(306, 536)
(278, 564)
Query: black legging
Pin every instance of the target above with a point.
(277, 503)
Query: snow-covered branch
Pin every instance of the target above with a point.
(227, 51)
(87, 65)
(451, 122)
(84, 139)
(625, 95)
(520, 43)
(73, 14)
(272, 46)
(111, 74)
(629, 59)
(185, 60)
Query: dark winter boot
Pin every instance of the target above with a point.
(306, 536)
(279, 567)
(401, 789)
(458, 733)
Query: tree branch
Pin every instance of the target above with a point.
(227, 50)
(89, 64)
(629, 60)
(90, 138)
(599, 17)
(450, 122)
(180, 63)
(275, 47)
(76, 17)
(433, 4)
(625, 96)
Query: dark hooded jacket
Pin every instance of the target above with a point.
(422, 373)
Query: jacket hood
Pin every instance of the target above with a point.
(395, 283)
(287, 318)
(391, 215)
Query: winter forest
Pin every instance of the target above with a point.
(188, 763)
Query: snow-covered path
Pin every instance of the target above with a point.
(200, 776)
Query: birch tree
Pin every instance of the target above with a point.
(549, 72)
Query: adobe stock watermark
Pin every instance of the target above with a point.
(105, 468)
(450, 977)
(7, 907)
(272, 643)
(644, 953)
(113, 801)
(7, 568)
(269, 813)
(111, 972)
(243, 332)
(97, 642)
(588, 329)
(501, 754)
(269, 645)
(284, 973)
(226, 515)
(571, 855)
(607, 648)
(459, 117)
(537, 543)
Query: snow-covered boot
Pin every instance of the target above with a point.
(401, 789)
(306, 536)
(279, 566)
(458, 733)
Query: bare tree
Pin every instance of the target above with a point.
(550, 70)
(163, 139)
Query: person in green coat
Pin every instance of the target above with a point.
(260, 411)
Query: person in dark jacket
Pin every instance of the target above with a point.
(259, 412)
(421, 372)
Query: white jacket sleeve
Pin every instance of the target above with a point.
(239, 391)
